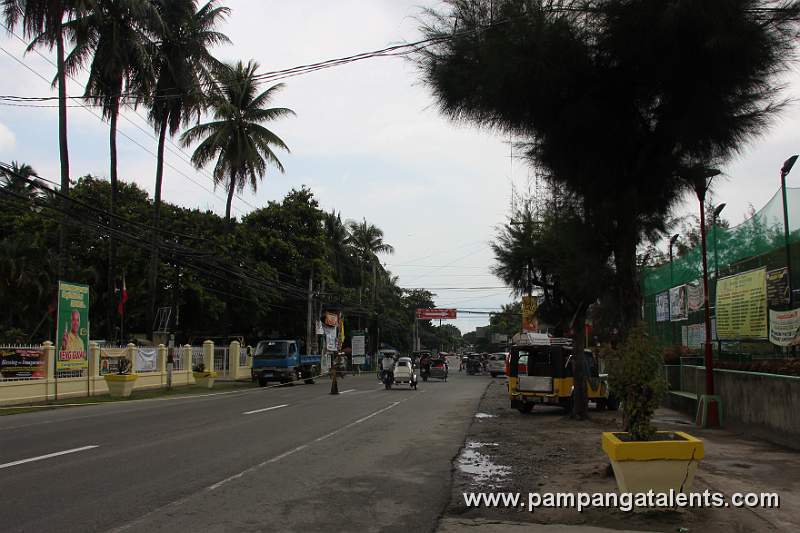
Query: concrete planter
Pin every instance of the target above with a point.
(205, 379)
(658, 465)
(120, 385)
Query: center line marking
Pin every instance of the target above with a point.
(48, 456)
(265, 409)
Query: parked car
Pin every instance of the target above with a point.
(496, 364)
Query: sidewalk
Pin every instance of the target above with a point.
(548, 452)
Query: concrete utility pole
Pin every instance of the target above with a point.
(310, 330)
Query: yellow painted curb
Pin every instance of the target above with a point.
(619, 450)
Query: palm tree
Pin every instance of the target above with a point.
(43, 21)
(338, 238)
(237, 139)
(14, 179)
(367, 240)
(183, 66)
(115, 35)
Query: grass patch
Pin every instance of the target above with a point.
(184, 390)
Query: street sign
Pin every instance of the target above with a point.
(432, 314)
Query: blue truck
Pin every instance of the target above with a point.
(281, 360)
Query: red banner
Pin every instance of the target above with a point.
(432, 314)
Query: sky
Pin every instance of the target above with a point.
(367, 139)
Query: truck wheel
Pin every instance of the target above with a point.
(525, 408)
(262, 382)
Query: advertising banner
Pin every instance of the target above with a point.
(530, 324)
(146, 360)
(784, 327)
(331, 319)
(432, 314)
(358, 344)
(22, 363)
(330, 338)
(695, 336)
(742, 305)
(679, 309)
(695, 295)
(72, 328)
(662, 307)
(778, 288)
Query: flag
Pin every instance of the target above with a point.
(123, 297)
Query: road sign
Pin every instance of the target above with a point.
(431, 314)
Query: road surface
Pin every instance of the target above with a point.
(279, 459)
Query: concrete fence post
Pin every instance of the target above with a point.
(94, 366)
(233, 359)
(162, 358)
(208, 355)
(186, 356)
(130, 354)
(50, 357)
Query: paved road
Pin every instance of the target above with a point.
(366, 460)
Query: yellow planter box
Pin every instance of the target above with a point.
(205, 379)
(657, 465)
(120, 385)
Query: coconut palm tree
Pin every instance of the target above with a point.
(183, 68)
(367, 240)
(114, 37)
(14, 179)
(43, 22)
(237, 138)
(338, 238)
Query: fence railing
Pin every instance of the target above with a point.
(243, 357)
(221, 359)
(197, 355)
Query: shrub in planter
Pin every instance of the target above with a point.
(120, 384)
(643, 458)
(202, 377)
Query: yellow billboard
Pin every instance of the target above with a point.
(529, 322)
(741, 305)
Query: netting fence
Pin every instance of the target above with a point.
(758, 242)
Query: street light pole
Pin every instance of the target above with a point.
(717, 211)
(672, 241)
(708, 409)
(787, 167)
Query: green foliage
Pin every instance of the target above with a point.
(635, 377)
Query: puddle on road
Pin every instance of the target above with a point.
(479, 466)
(483, 415)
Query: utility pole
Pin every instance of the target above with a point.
(310, 314)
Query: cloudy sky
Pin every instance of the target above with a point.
(367, 139)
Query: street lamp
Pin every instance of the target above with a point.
(714, 219)
(699, 177)
(787, 167)
(672, 241)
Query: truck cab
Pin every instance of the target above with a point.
(281, 360)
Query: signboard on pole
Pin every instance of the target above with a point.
(678, 302)
(530, 324)
(72, 329)
(742, 305)
(433, 314)
(784, 327)
(359, 348)
(662, 307)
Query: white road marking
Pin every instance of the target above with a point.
(348, 390)
(301, 447)
(48, 456)
(265, 409)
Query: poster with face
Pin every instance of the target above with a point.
(678, 301)
(72, 334)
(662, 307)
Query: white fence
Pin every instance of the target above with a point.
(243, 362)
(221, 359)
(197, 355)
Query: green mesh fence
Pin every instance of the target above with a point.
(756, 242)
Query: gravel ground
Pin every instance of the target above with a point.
(546, 451)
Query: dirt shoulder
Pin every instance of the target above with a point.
(546, 451)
